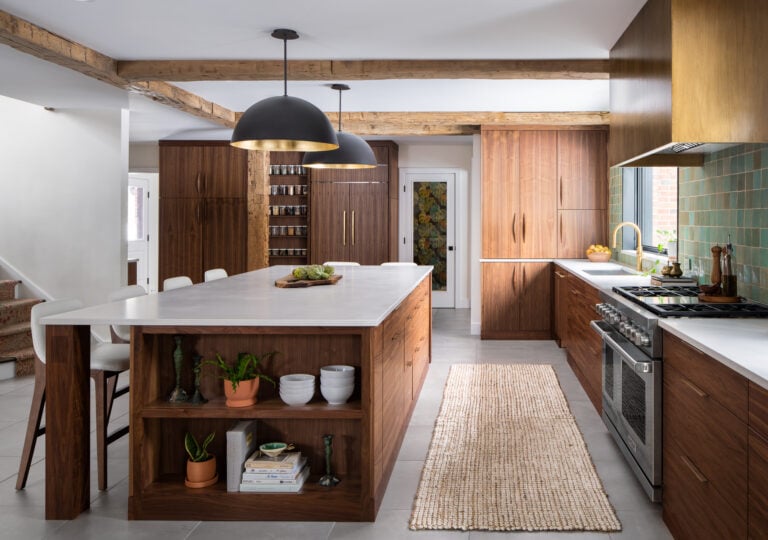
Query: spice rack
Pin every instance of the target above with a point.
(288, 209)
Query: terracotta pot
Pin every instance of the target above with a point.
(201, 473)
(244, 396)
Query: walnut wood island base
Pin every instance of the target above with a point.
(376, 318)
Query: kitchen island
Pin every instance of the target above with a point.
(377, 319)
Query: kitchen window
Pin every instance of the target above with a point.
(649, 198)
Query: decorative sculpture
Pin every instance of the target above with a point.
(328, 479)
(178, 395)
(197, 397)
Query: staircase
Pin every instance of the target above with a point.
(15, 335)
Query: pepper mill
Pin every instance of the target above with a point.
(716, 276)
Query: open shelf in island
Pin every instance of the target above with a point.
(270, 408)
(169, 498)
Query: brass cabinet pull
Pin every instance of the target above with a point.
(561, 228)
(523, 228)
(558, 274)
(344, 228)
(353, 227)
(695, 470)
(514, 218)
(523, 277)
(514, 272)
(699, 392)
(197, 213)
(561, 192)
(197, 181)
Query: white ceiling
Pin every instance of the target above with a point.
(338, 29)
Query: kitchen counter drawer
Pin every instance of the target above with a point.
(717, 381)
(692, 508)
(707, 432)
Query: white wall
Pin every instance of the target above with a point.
(63, 181)
(144, 157)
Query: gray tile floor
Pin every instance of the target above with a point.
(22, 513)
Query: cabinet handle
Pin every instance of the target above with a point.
(353, 227)
(197, 213)
(197, 181)
(523, 277)
(558, 274)
(695, 470)
(514, 273)
(344, 228)
(523, 228)
(514, 237)
(561, 228)
(699, 392)
(561, 191)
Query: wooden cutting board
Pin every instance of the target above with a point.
(719, 299)
(291, 282)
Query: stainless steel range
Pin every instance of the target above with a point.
(632, 365)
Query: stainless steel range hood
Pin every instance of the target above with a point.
(676, 154)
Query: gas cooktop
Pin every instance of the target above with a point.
(683, 301)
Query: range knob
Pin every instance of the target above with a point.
(645, 340)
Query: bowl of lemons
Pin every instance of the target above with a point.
(598, 253)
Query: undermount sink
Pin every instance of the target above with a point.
(610, 272)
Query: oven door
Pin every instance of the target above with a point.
(632, 400)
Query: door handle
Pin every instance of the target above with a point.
(353, 227)
(344, 228)
(450, 248)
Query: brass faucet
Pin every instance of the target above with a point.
(639, 241)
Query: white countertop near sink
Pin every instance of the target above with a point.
(578, 267)
(740, 344)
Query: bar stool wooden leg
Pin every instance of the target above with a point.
(33, 424)
(100, 382)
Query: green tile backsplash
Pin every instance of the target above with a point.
(728, 195)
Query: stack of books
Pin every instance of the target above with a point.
(241, 441)
(285, 473)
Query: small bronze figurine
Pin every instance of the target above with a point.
(178, 395)
(197, 397)
(328, 480)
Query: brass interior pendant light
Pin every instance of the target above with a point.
(284, 123)
(353, 152)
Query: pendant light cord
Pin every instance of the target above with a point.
(340, 91)
(285, 66)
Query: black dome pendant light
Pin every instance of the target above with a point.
(353, 152)
(284, 123)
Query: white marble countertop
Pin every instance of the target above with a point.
(740, 344)
(363, 297)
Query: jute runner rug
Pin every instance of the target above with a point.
(506, 455)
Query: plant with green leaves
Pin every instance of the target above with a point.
(245, 368)
(665, 236)
(198, 452)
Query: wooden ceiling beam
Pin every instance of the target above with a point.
(457, 123)
(39, 42)
(357, 70)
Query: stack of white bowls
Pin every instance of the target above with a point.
(337, 383)
(297, 388)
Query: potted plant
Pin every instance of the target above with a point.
(201, 466)
(241, 379)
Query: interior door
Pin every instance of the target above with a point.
(429, 230)
(138, 227)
